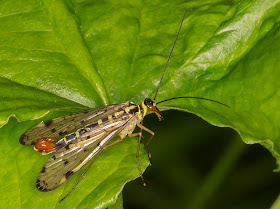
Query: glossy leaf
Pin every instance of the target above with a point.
(66, 56)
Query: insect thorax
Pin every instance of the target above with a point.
(134, 109)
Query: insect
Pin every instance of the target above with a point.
(84, 135)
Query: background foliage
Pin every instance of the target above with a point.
(58, 57)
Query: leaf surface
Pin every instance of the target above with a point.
(58, 57)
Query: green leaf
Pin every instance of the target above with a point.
(119, 203)
(65, 56)
(276, 204)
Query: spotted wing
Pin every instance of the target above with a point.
(68, 160)
(60, 126)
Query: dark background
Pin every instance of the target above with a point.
(196, 165)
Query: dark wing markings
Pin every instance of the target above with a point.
(55, 172)
(60, 126)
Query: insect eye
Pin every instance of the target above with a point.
(148, 102)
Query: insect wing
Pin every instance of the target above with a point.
(60, 126)
(68, 160)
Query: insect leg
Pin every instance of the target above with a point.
(147, 145)
(113, 143)
(120, 139)
(137, 154)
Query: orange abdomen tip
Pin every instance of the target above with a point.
(45, 145)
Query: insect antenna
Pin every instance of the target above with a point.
(211, 100)
(189, 97)
(170, 54)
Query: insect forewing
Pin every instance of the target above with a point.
(63, 125)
